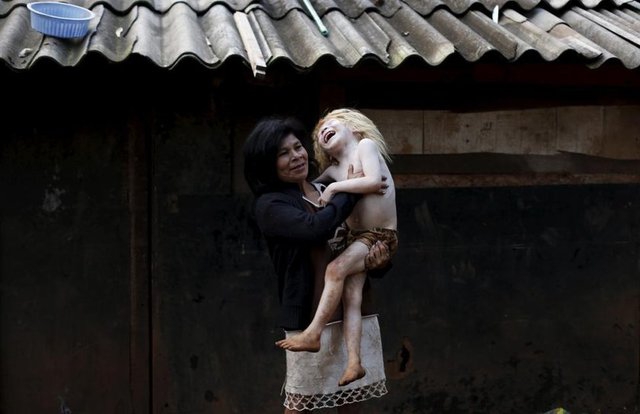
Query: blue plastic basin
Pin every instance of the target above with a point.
(60, 19)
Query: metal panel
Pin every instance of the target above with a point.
(71, 316)
(501, 299)
(510, 300)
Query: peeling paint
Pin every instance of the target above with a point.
(52, 199)
(63, 406)
(402, 364)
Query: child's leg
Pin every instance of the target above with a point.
(351, 261)
(352, 328)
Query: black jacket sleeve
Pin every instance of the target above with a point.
(281, 215)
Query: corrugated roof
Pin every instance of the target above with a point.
(389, 31)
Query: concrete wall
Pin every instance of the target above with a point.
(134, 281)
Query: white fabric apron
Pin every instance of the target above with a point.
(312, 378)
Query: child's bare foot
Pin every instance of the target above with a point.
(300, 342)
(352, 373)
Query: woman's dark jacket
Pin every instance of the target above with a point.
(291, 230)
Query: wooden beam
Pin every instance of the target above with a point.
(602, 130)
(489, 163)
(510, 180)
(256, 59)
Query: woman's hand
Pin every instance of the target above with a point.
(352, 174)
(382, 185)
(378, 256)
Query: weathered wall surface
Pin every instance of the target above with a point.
(132, 279)
(514, 300)
(64, 258)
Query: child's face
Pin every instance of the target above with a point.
(333, 134)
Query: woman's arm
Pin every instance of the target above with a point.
(378, 261)
(278, 215)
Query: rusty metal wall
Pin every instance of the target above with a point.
(514, 300)
(132, 279)
(65, 314)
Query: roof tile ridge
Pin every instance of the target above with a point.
(152, 6)
(485, 6)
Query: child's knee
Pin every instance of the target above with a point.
(335, 272)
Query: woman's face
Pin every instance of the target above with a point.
(292, 163)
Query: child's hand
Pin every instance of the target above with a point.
(327, 195)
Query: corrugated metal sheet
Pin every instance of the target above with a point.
(389, 31)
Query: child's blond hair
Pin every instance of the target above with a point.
(359, 124)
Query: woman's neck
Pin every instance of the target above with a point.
(307, 188)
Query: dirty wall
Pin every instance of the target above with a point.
(133, 280)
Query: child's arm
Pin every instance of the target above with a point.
(326, 177)
(369, 155)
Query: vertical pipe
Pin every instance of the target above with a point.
(316, 18)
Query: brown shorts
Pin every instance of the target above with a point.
(370, 236)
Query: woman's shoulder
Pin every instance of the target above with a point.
(284, 195)
(273, 207)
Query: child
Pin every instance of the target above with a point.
(344, 139)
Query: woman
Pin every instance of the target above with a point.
(277, 169)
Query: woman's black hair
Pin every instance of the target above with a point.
(261, 151)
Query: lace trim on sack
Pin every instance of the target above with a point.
(301, 402)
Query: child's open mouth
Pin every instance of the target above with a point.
(326, 137)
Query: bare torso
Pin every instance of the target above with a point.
(373, 210)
